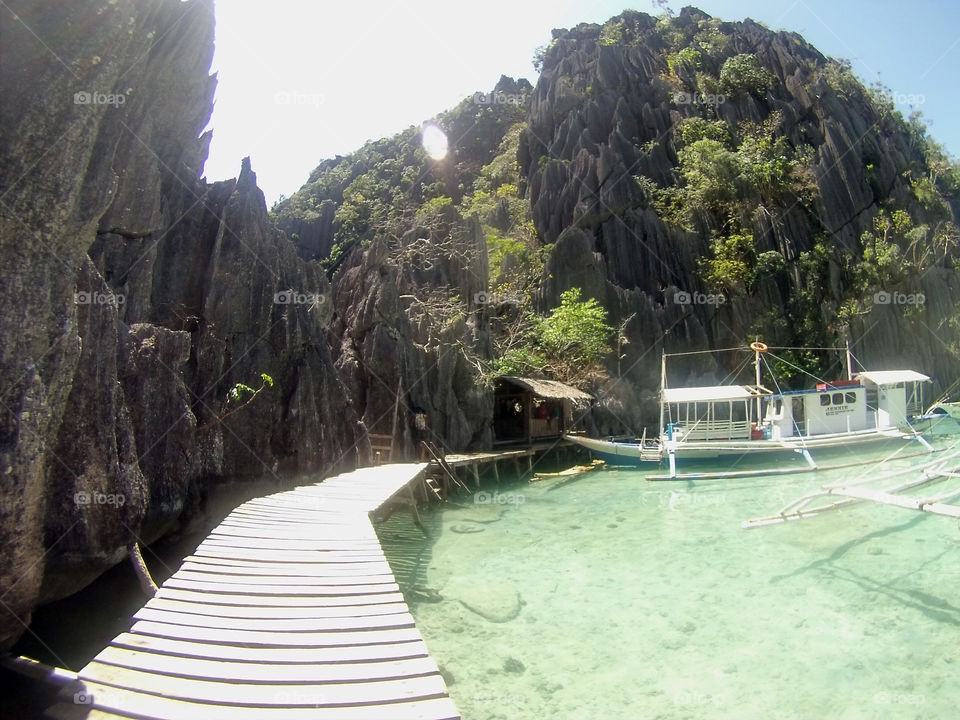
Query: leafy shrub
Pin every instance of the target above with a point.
(744, 74)
(691, 129)
(612, 33)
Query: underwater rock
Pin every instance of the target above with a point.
(447, 676)
(466, 528)
(512, 665)
(496, 602)
(480, 513)
(425, 594)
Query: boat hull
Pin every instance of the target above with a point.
(616, 453)
(728, 453)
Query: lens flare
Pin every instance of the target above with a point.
(434, 142)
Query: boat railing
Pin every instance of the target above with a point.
(723, 430)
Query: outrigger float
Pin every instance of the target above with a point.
(728, 424)
(834, 496)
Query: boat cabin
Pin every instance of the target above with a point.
(839, 407)
(893, 396)
(873, 400)
(714, 412)
(532, 409)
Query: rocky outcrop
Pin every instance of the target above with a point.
(603, 113)
(136, 296)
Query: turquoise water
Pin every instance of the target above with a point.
(602, 595)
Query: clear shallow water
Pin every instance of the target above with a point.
(607, 596)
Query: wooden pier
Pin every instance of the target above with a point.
(287, 610)
(451, 463)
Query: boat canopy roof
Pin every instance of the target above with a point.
(891, 377)
(712, 393)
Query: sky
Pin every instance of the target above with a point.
(304, 80)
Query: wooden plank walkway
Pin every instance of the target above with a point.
(288, 609)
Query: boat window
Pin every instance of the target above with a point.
(838, 398)
(739, 412)
(850, 397)
(824, 400)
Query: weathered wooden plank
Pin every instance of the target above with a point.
(127, 703)
(285, 625)
(286, 556)
(249, 598)
(281, 523)
(263, 654)
(274, 612)
(259, 672)
(275, 639)
(326, 532)
(292, 569)
(277, 564)
(252, 581)
(291, 544)
(308, 507)
(291, 589)
(332, 517)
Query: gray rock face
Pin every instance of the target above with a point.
(135, 296)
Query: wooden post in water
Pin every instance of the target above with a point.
(143, 573)
(396, 412)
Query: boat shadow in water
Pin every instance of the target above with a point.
(931, 606)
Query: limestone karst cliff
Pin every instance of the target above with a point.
(135, 297)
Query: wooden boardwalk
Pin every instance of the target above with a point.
(287, 610)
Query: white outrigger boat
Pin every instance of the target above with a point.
(726, 425)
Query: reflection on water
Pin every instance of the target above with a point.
(604, 595)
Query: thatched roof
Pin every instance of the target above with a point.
(548, 388)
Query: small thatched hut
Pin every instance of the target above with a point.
(532, 409)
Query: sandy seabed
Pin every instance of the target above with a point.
(604, 595)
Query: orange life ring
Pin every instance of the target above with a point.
(758, 346)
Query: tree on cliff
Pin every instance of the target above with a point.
(569, 344)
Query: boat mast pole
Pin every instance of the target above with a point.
(663, 384)
(756, 362)
(849, 360)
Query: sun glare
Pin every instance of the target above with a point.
(434, 142)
